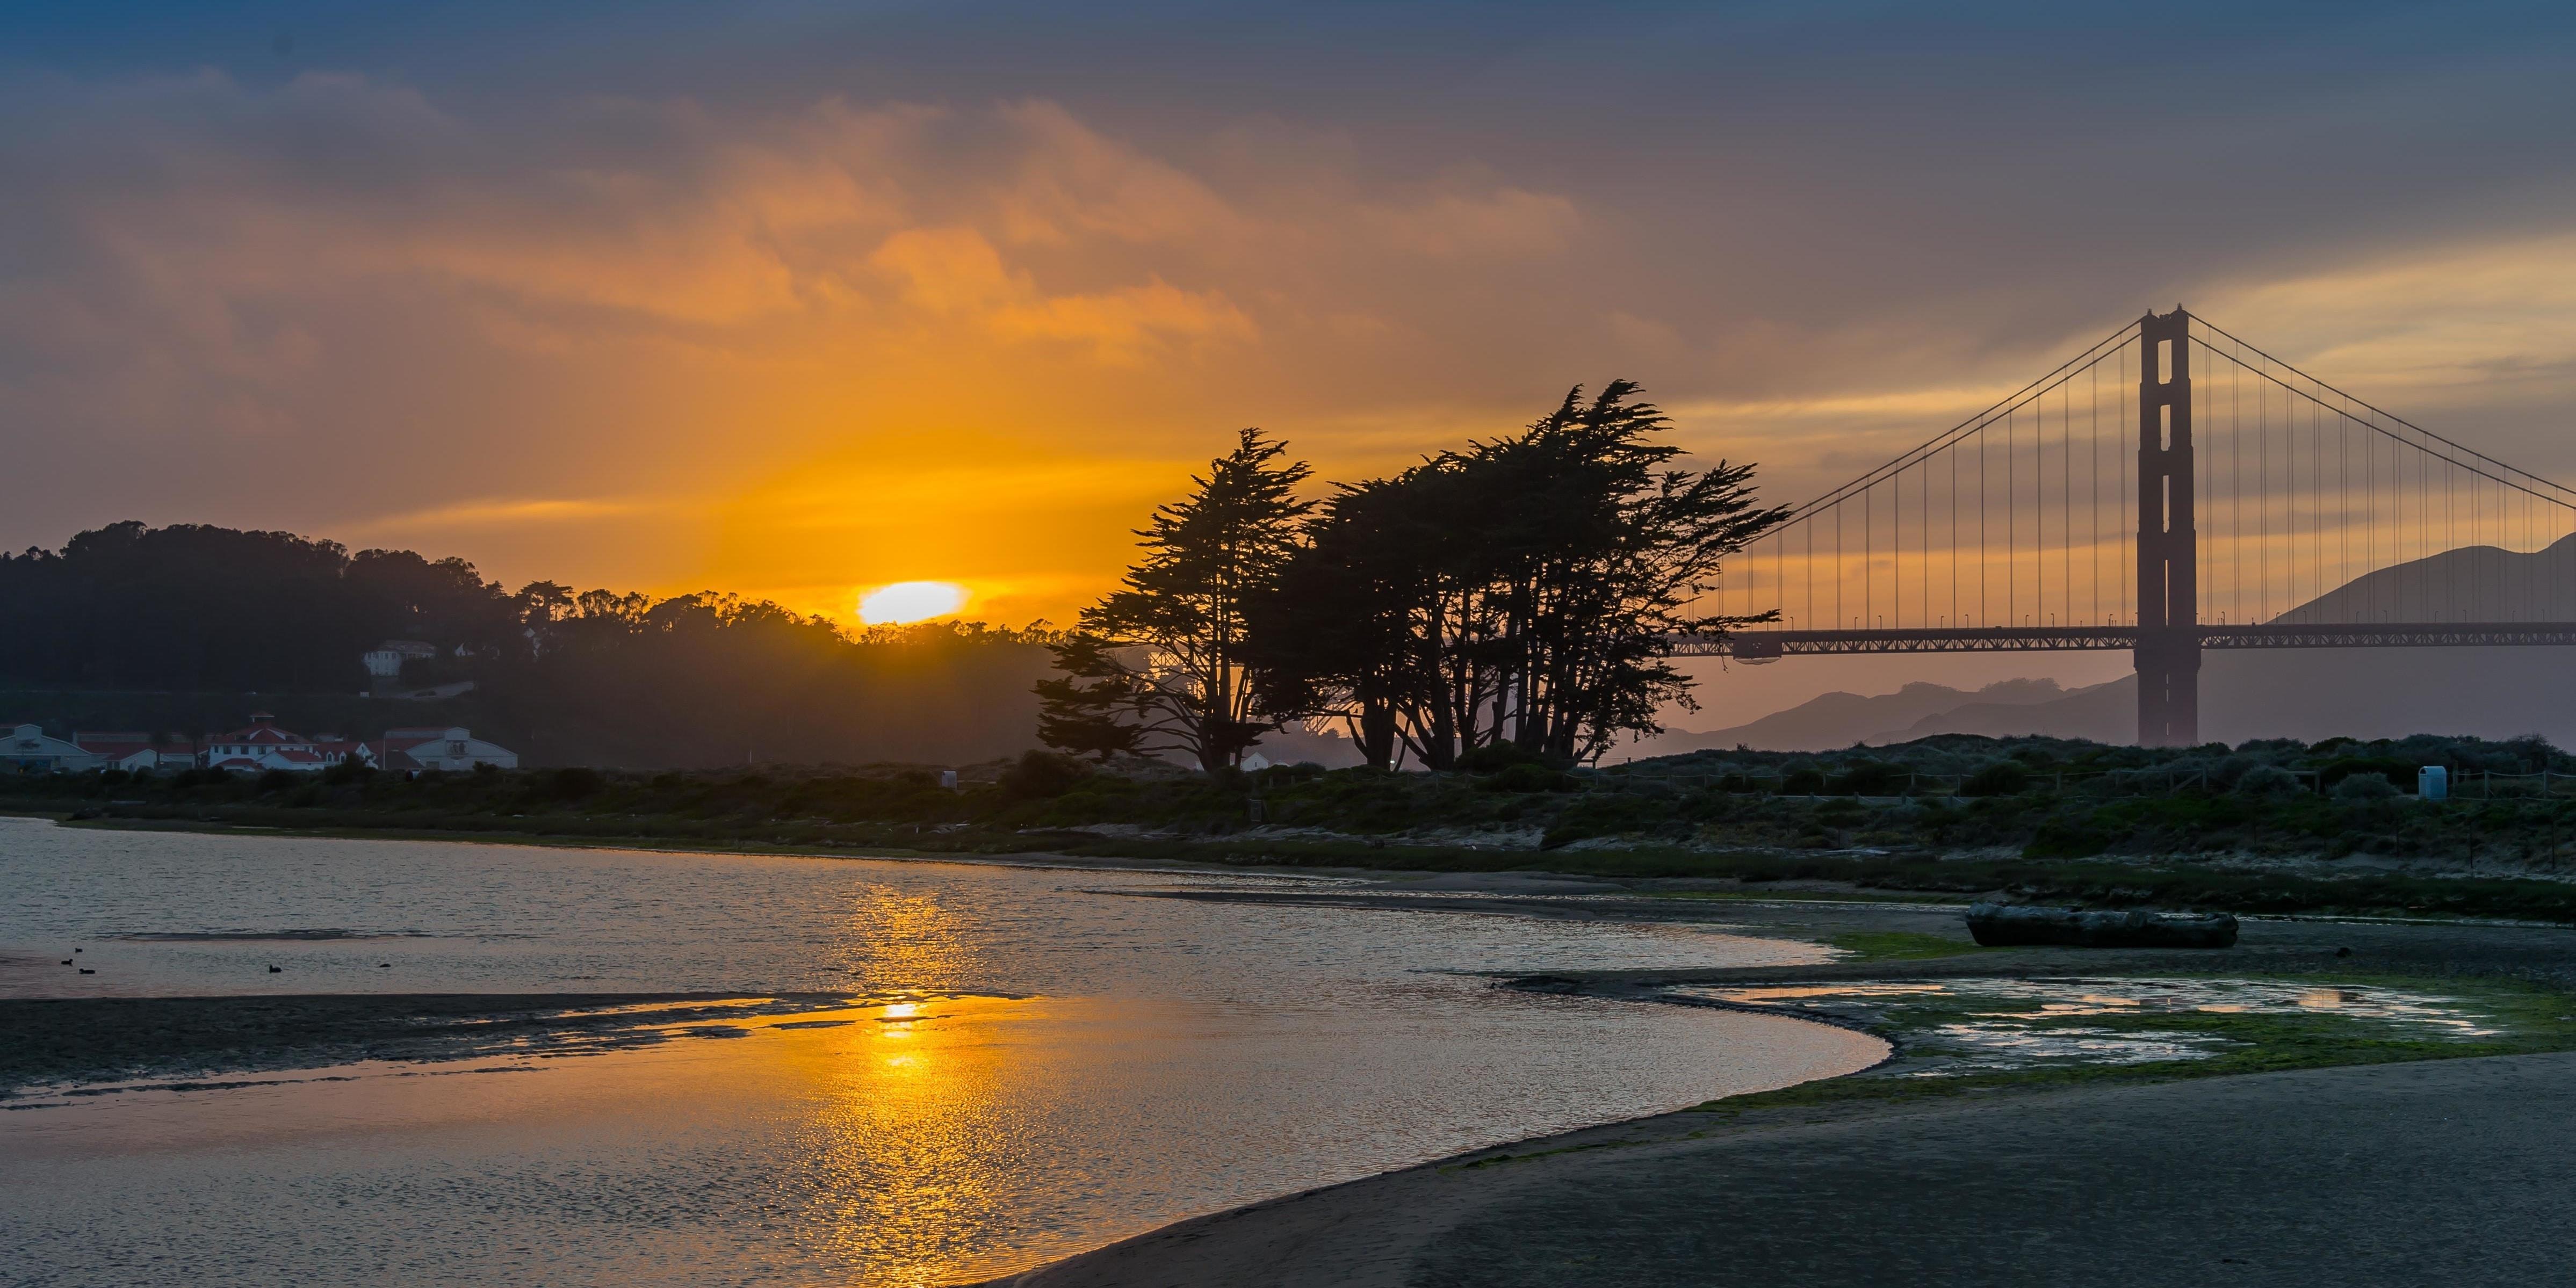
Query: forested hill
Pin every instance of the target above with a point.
(153, 627)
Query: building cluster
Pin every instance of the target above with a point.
(255, 748)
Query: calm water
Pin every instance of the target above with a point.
(1104, 1063)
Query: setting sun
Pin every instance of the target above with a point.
(910, 601)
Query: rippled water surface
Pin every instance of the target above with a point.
(1083, 1064)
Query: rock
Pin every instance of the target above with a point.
(1998, 925)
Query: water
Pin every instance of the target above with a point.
(1080, 1064)
(1998, 1024)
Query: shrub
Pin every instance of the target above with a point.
(1803, 781)
(2271, 781)
(2364, 787)
(1529, 776)
(1998, 778)
(2387, 767)
(277, 780)
(1873, 778)
(1042, 775)
(575, 782)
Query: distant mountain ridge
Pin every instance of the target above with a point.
(1836, 720)
(2307, 694)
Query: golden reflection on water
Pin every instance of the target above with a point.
(902, 939)
(898, 1119)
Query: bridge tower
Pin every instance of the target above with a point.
(2168, 649)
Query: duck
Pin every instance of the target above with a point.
(87, 971)
(275, 970)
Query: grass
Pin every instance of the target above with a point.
(2531, 1018)
(2044, 845)
(1901, 945)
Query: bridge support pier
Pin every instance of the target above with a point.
(2168, 650)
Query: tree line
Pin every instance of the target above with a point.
(562, 676)
(1516, 597)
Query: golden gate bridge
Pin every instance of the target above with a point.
(2238, 502)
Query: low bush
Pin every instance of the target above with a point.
(1998, 778)
(2270, 781)
(1042, 775)
(2364, 787)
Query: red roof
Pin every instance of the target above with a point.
(261, 733)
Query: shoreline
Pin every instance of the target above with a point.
(1421, 881)
(1662, 1200)
(1380, 1229)
(1385, 1230)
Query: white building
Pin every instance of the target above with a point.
(453, 747)
(385, 661)
(134, 752)
(262, 745)
(29, 751)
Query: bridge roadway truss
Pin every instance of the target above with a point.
(1765, 645)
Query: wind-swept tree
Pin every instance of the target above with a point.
(1527, 590)
(1169, 654)
(1084, 711)
(1600, 554)
(1339, 633)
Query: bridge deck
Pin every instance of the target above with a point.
(1762, 645)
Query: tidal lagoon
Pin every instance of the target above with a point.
(907, 1072)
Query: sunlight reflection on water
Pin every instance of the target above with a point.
(1039, 1063)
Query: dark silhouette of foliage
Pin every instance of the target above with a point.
(190, 619)
(2000, 778)
(1039, 775)
(1527, 590)
(1085, 710)
(1183, 672)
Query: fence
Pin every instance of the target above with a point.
(2467, 784)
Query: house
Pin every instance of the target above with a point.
(262, 745)
(453, 747)
(385, 661)
(139, 753)
(27, 750)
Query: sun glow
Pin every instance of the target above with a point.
(910, 601)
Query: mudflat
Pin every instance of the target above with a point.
(2451, 1171)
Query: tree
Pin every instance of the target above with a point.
(1169, 653)
(1334, 635)
(1525, 591)
(1599, 564)
(1083, 710)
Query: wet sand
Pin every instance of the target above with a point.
(106, 1039)
(2453, 1171)
(2460, 1170)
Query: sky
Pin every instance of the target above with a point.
(799, 300)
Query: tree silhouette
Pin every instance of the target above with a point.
(1169, 653)
(1526, 590)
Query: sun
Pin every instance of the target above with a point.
(910, 601)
